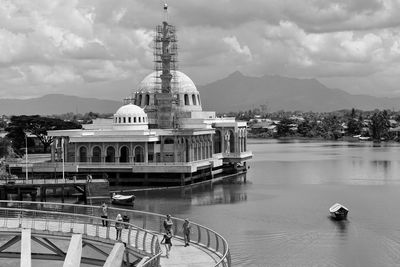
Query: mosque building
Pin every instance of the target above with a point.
(160, 135)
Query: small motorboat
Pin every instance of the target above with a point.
(123, 199)
(338, 212)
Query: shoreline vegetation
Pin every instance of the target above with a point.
(349, 125)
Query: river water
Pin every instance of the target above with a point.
(280, 216)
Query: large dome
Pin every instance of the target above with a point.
(180, 83)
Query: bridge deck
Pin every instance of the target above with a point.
(181, 256)
(193, 255)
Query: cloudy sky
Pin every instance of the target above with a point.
(102, 48)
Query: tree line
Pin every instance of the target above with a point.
(326, 125)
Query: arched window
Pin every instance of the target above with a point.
(129, 119)
(124, 120)
(96, 154)
(124, 154)
(217, 142)
(194, 99)
(147, 100)
(139, 118)
(139, 154)
(140, 100)
(134, 119)
(110, 155)
(119, 119)
(231, 141)
(198, 100)
(186, 100)
(82, 154)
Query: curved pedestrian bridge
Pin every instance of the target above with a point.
(74, 234)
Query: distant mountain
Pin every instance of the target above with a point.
(233, 93)
(56, 104)
(239, 92)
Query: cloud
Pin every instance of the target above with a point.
(234, 45)
(56, 45)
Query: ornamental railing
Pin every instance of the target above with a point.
(152, 222)
(55, 222)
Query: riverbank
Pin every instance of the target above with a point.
(318, 139)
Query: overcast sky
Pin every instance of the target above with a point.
(102, 48)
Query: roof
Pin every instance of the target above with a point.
(180, 83)
(337, 207)
(129, 109)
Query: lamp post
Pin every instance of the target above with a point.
(26, 157)
(62, 154)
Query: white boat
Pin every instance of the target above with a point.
(338, 211)
(364, 138)
(123, 199)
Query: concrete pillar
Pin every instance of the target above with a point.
(146, 152)
(53, 149)
(26, 259)
(116, 255)
(74, 254)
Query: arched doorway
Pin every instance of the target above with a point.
(187, 146)
(82, 154)
(124, 154)
(110, 155)
(139, 154)
(96, 154)
(231, 141)
(217, 142)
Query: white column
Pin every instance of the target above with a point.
(116, 255)
(74, 254)
(26, 259)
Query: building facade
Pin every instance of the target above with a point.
(160, 135)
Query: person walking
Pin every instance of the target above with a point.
(118, 227)
(168, 224)
(104, 214)
(186, 231)
(167, 242)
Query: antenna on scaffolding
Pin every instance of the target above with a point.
(165, 11)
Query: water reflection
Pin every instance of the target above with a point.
(340, 225)
(219, 195)
(181, 200)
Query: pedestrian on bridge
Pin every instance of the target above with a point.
(167, 242)
(118, 227)
(104, 214)
(186, 231)
(168, 224)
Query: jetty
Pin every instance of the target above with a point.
(93, 191)
(75, 234)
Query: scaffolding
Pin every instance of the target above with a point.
(165, 57)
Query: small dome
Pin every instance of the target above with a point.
(180, 83)
(129, 109)
(130, 117)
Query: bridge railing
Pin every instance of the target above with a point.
(152, 222)
(56, 222)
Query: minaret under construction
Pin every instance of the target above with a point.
(165, 63)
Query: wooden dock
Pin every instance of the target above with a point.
(97, 190)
